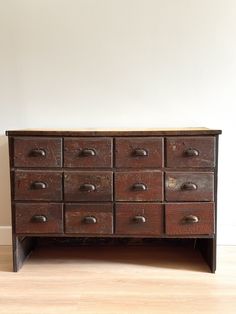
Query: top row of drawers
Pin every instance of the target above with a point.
(140, 152)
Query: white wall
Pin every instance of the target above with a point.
(121, 63)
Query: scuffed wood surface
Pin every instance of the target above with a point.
(114, 132)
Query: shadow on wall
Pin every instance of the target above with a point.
(5, 207)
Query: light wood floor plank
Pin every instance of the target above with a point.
(118, 280)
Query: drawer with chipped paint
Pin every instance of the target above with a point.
(187, 152)
(189, 186)
(89, 218)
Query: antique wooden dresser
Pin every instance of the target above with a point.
(157, 183)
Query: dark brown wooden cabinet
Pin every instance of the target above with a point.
(158, 183)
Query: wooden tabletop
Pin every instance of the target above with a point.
(114, 132)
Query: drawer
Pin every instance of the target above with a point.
(38, 218)
(38, 185)
(89, 218)
(196, 151)
(88, 152)
(189, 186)
(37, 152)
(139, 218)
(139, 186)
(139, 152)
(88, 186)
(189, 218)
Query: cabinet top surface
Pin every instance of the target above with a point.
(114, 132)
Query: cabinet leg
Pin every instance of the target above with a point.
(207, 248)
(21, 247)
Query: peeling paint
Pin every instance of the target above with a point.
(171, 183)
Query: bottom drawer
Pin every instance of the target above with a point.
(38, 218)
(89, 218)
(139, 219)
(189, 218)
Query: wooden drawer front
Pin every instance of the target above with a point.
(189, 186)
(139, 186)
(37, 152)
(139, 152)
(88, 186)
(190, 151)
(89, 218)
(137, 218)
(39, 218)
(88, 152)
(38, 185)
(189, 218)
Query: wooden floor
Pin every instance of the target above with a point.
(118, 280)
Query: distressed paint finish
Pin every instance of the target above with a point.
(175, 218)
(174, 182)
(25, 223)
(125, 218)
(75, 218)
(59, 170)
(23, 156)
(124, 182)
(176, 150)
(24, 185)
(74, 157)
(125, 152)
(74, 180)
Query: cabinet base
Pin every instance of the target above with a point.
(23, 246)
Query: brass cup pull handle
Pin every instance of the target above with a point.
(37, 152)
(39, 218)
(189, 186)
(86, 152)
(190, 219)
(38, 185)
(139, 187)
(87, 187)
(140, 152)
(90, 220)
(191, 152)
(139, 219)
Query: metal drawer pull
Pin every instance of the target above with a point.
(39, 218)
(191, 219)
(139, 219)
(90, 220)
(37, 185)
(189, 186)
(37, 152)
(86, 152)
(140, 152)
(191, 152)
(139, 187)
(87, 187)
